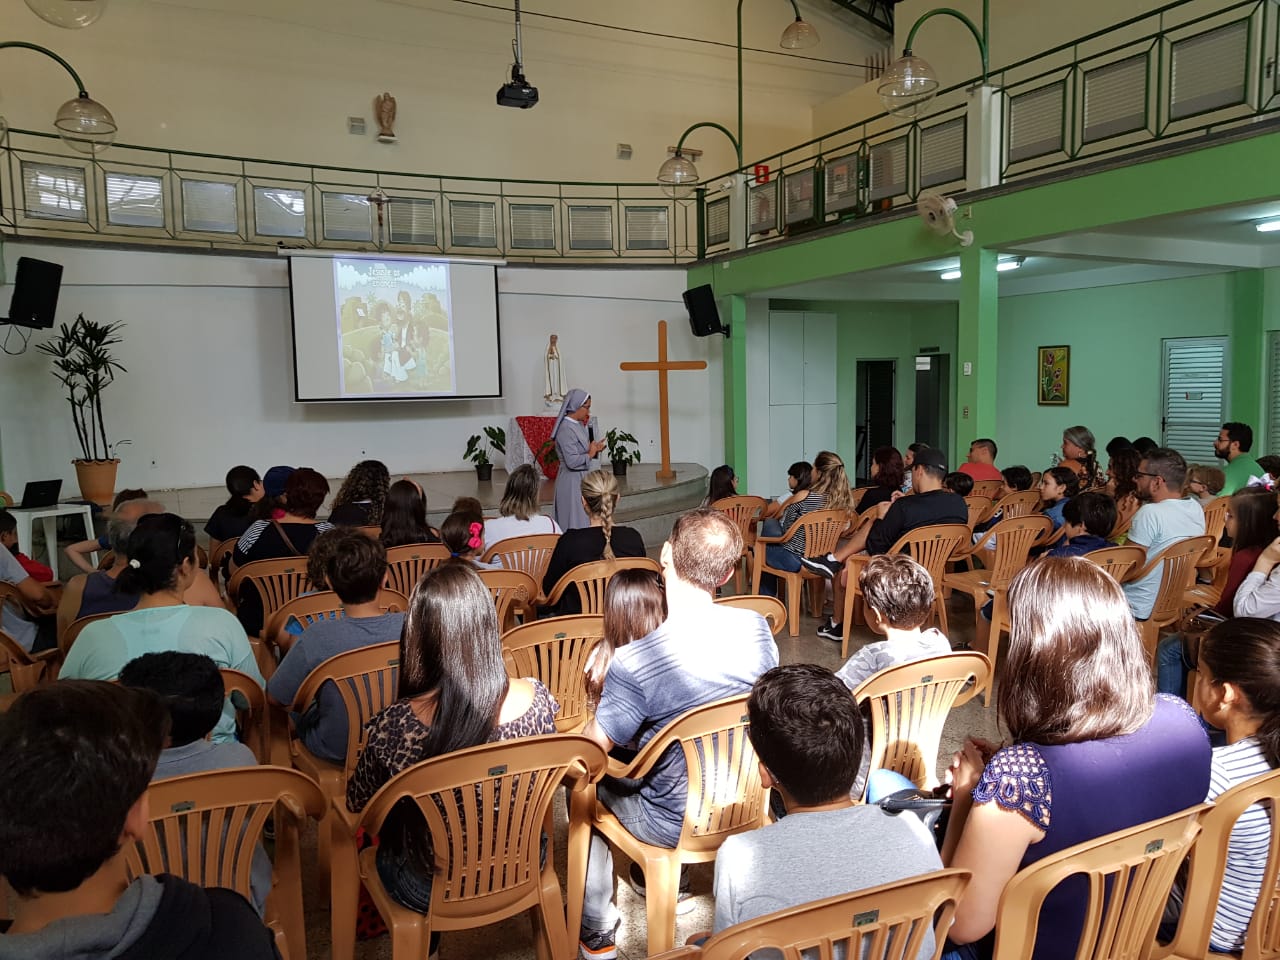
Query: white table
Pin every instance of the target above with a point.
(26, 519)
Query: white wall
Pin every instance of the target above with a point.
(209, 384)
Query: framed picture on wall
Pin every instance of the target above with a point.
(1053, 376)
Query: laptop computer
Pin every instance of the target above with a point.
(41, 493)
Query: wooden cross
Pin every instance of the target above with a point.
(662, 366)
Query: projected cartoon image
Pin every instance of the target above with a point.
(395, 327)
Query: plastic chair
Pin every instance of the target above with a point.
(511, 590)
(909, 705)
(1035, 478)
(188, 812)
(979, 508)
(988, 489)
(5, 499)
(372, 532)
(486, 809)
(1018, 504)
(555, 651)
(529, 554)
(252, 719)
(220, 556)
(770, 608)
(856, 495)
(1120, 562)
(277, 582)
(743, 511)
(1129, 875)
(67, 639)
(408, 564)
(313, 608)
(887, 922)
(930, 546)
(822, 529)
(366, 680)
(1177, 577)
(1215, 517)
(28, 670)
(725, 797)
(590, 580)
(1208, 861)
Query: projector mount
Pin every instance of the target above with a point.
(517, 93)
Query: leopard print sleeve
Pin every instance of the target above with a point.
(382, 732)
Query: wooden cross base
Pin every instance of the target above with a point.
(662, 366)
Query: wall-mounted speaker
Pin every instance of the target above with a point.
(704, 317)
(35, 293)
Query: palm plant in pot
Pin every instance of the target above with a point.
(495, 439)
(84, 363)
(620, 454)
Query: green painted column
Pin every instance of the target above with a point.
(1248, 351)
(735, 389)
(976, 336)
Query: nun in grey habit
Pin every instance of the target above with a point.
(575, 451)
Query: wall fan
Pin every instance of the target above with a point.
(939, 213)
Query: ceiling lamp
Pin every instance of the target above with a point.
(70, 14)
(1267, 226)
(678, 176)
(83, 123)
(907, 86)
(1002, 266)
(799, 35)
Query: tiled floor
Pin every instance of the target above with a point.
(512, 939)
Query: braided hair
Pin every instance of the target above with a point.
(600, 490)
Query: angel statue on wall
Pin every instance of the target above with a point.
(384, 109)
(554, 379)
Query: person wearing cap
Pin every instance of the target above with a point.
(576, 450)
(929, 504)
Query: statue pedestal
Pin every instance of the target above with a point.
(526, 437)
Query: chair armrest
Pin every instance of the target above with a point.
(678, 953)
(960, 553)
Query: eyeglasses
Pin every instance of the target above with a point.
(1144, 473)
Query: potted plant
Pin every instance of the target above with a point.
(84, 364)
(619, 453)
(495, 438)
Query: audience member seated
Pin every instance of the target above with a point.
(1233, 445)
(1015, 479)
(404, 518)
(1122, 481)
(271, 506)
(634, 606)
(32, 634)
(961, 484)
(1163, 518)
(518, 514)
(453, 693)
(1271, 464)
(722, 483)
(162, 564)
(359, 501)
(1259, 594)
(79, 553)
(1057, 486)
(1116, 444)
(231, 519)
(191, 688)
(287, 534)
(322, 548)
(463, 533)
(1088, 520)
(1205, 483)
(602, 540)
(468, 505)
(808, 736)
(1080, 456)
(354, 570)
(1144, 446)
(909, 461)
(829, 490)
(1238, 691)
(799, 476)
(981, 464)
(887, 471)
(899, 595)
(79, 757)
(701, 653)
(1092, 750)
(930, 504)
(9, 541)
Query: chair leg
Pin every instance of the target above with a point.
(344, 892)
(410, 934)
(550, 939)
(288, 889)
(582, 804)
(940, 608)
(794, 587)
(662, 886)
(847, 615)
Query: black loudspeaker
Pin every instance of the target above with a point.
(35, 293)
(704, 318)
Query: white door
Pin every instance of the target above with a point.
(1194, 379)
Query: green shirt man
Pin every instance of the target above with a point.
(1232, 445)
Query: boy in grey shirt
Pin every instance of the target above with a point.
(808, 735)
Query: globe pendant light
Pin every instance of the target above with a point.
(69, 14)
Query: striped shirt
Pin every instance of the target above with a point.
(793, 512)
(1247, 849)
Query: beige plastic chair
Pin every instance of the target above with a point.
(1177, 577)
(408, 564)
(529, 554)
(1208, 861)
(1142, 862)
(725, 797)
(77, 626)
(770, 608)
(5, 499)
(1120, 562)
(555, 651)
(277, 582)
(233, 805)
(313, 608)
(372, 532)
(366, 680)
(252, 719)
(486, 809)
(1035, 478)
(856, 494)
(743, 511)
(979, 509)
(1215, 517)
(590, 580)
(930, 546)
(28, 670)
(887, 922)
(909, 705)
(219, 554)
(512, 590)
(987, 489)
(822, 529)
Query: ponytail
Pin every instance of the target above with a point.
(600, 491)
(1245, 652)
(831, 482)
(158, 545)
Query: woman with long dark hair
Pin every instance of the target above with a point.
(359, 501)
(404, 517)
(887, 473)
(453, 693)
(722, 483)
(232, 519)
(635, 605)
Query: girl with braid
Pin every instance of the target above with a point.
(1080, 456)
(602, 540)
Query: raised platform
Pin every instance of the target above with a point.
(648, 504)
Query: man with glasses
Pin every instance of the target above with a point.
(1164, 517)
(1233, 445)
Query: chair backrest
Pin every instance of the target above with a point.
(1018, 504)
(509, 587)
(250, 702)
(277, 581)
(372, 532)
(1014, 538)
(741, 510)
(590, 579)
(979, 507)
(5, 499)
(725, 793)
(856, 495)
(366, 680)
(1118, 561)
(1035, 478)
(1208, 866)
(529, 554)
(408, 564)
(909, 705)
(485, 808)
(67, 639)
(931, 546)
(555, 651)
(1177, 576)
(822, 529)
(889, 921)
(771, 608)
(988, 489)
(1129, 875)
(25, 671)
(1215, 517)
(312, 608)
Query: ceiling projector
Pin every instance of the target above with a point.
(517, 93)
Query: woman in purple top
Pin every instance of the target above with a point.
(1093, 750)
